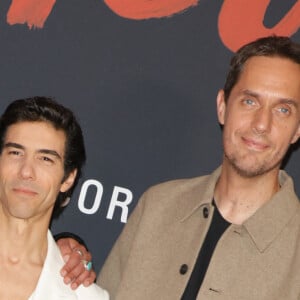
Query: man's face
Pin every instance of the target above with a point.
(32, 170)
(262, 114)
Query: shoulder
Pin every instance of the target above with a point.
(176, 188)
(180, 184)
(172, 197)
(172, 200)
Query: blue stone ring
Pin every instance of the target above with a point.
(87, 265)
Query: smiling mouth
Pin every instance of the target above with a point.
(25, 191)
(255, 145)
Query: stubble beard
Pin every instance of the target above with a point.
(252, 168)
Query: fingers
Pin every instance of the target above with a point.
(74, 271)
(90, 279)
(86, 278)
(65, 245)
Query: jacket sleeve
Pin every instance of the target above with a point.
(112, 271)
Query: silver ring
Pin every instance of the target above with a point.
(79, 252)
(87, 265)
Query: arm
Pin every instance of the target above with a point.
(112, 272)
(74, 272)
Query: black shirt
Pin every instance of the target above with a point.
(217, 227)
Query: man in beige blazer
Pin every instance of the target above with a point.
(234, 234)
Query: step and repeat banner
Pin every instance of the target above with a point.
(142, 77)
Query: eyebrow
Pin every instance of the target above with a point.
(43, 151)
(281, 100)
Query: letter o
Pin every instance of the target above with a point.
(97, 200)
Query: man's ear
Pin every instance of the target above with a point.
(221, 107)
(296, 135)
(69, 181)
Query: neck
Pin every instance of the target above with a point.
(22, 241)
(239, 197)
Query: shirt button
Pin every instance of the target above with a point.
(205, 212)
(183, 269)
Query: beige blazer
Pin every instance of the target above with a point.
(259, 260)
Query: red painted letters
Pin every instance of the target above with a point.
(241, 21)
(145, 9)
(32, 12)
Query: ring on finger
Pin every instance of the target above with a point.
(87, 265)
(79, 252)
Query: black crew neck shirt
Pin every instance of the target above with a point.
(217, 227)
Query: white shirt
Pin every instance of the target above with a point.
(50, 285)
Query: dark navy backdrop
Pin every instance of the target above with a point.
(143, 90)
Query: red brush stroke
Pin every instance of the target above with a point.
(146, 9)
(242, 21)
(32, 12)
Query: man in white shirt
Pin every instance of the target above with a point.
(41, 156)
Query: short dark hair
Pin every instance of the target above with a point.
(280, 46)
(45, 109)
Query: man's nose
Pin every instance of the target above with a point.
(27, 170)
(262, 121)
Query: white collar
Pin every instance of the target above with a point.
(50, 284)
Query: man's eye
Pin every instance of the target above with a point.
(248, 101)
(14, 152)
(46, 158)
(284, 110)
